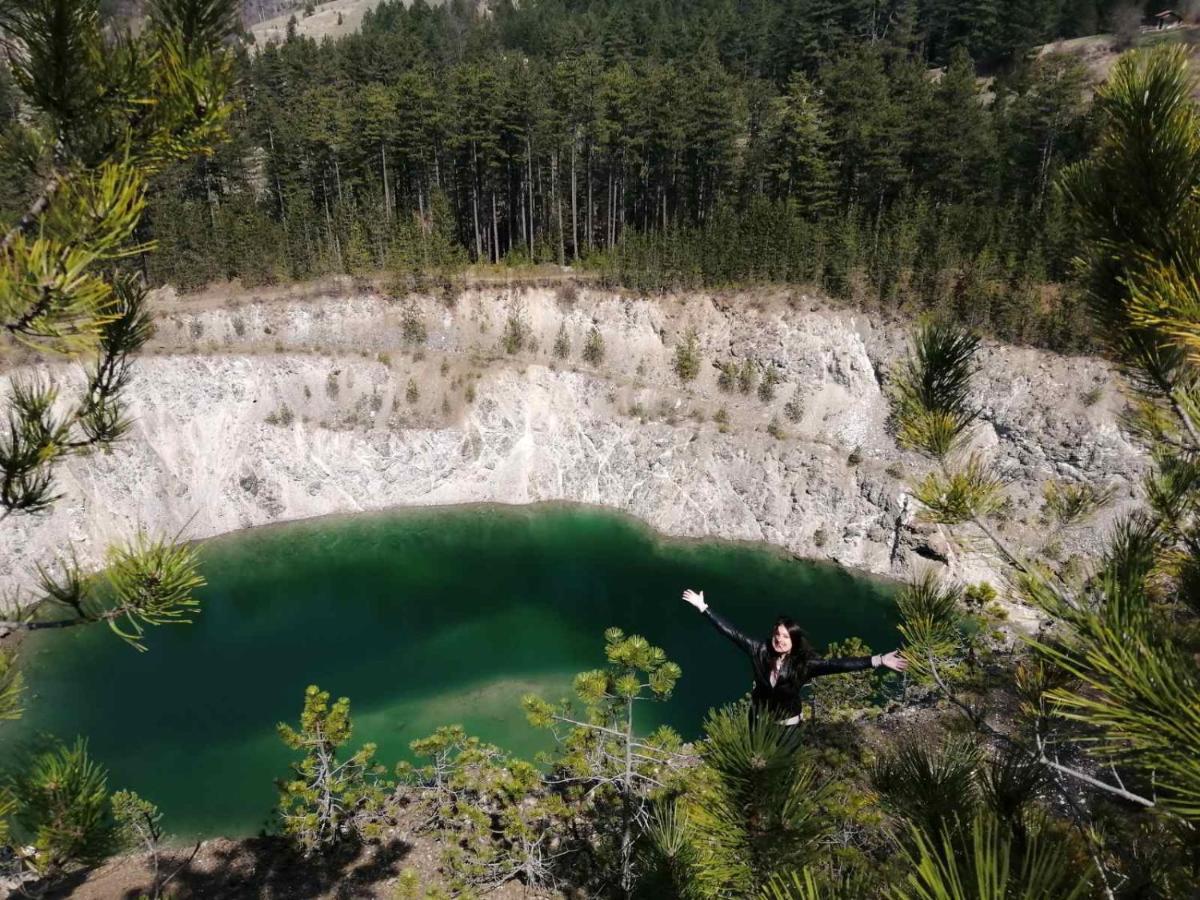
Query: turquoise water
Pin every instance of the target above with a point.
(422, 619)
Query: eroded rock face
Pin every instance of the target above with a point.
(271, 410)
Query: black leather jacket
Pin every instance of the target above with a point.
(784, 697)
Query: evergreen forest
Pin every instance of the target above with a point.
(856, 148)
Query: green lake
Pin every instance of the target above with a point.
(422, 618)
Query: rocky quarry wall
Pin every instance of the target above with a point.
(262, 409)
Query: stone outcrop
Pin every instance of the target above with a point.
(262, 410)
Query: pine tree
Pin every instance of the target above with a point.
(61, 804)
(602, 752)
(106, 111)
(864, 126)
(111, 110)
(797, 149)
(327, 799)
(959, 148)
(1120, 655)
(757, 815)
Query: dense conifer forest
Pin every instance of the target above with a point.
(853, 147)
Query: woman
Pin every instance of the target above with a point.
(786, 662)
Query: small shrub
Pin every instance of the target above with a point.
(445, 405)
(855, 457)
(282, 416)
(331, 385)
(896, 471)
(412, 393)
(562, 343)
(444, 368)
(239, 326)
(766, 388)
(980, 594)
(64, 802)
(385, 358)
(775, 430)
(307, 392)
(721, 417)
(593, 347)
(516, 330)
(469, 393)
(820, 538)
(637, 411)
(728, 376)
(567, 294)
(747, 375)
(687, 356)
(196, 329)
(412, 326)
(1091, 396)
(794, 408)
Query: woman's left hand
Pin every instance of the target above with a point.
(894, 661)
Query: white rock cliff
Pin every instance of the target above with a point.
(272, 408)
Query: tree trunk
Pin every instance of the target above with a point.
(333, 235)
(562, 256)
(275, 166)
(210, 196)
(387, 203)
(608, 225)
(627, 837)
(287, 240)
(574, 202)
(509, 199)
(475, 203)
(521, 214)
(529, 185)
(590, 207)
(495, 231)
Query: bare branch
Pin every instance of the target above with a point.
(1039, 755)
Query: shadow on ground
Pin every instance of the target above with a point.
(263, 867)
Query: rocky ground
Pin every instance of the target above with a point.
(254, 408)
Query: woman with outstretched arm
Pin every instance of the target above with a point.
(784, 663)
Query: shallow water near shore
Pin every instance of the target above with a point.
(422, 618)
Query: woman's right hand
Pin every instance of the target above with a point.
(696, 599)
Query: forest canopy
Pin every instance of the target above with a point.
(660, 145)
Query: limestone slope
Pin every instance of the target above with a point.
(271, 408)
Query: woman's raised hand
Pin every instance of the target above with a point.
(696, 599)
(894, 661)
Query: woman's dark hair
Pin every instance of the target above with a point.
(801, 649)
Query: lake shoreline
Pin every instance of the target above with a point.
(375, 607)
